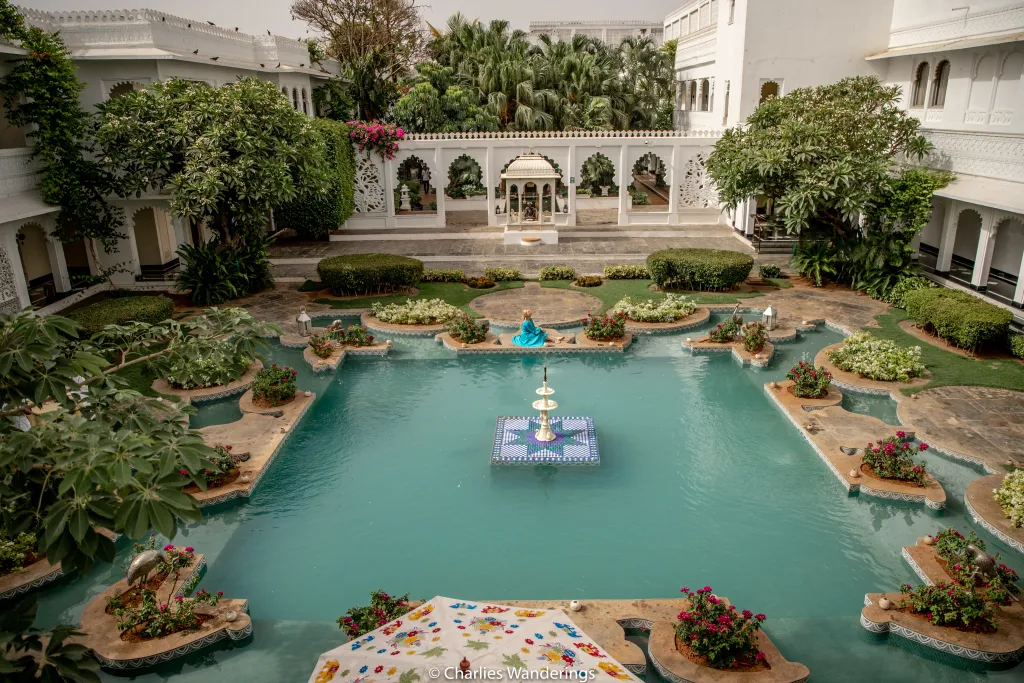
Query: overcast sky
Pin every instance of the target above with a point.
(256, 16)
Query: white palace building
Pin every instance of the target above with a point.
(959, 63)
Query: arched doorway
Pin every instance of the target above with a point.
(597, 192)
(155, 243)
(36, 264)
(769, 90)
(414, 174)
(650, 189)
(965, 246)
(1007, 254)
(466, 193)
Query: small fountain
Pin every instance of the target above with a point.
(545, 440)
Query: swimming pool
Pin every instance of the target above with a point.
(387, 484)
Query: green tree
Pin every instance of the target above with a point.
(649, 72)
(227, 154)
(820, 154)
(420, 110)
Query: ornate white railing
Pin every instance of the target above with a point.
(983, 154)
(563, 134)
(17, 172)
(960, 25)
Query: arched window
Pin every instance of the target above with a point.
(705, 95)
(920, 85)
(295, 99)
(769, 89)
(284, 91)
(981, 86)
(1008, 88)
(305, 104)
(691, 87)
(939, 84)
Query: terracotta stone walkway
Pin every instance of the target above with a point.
(548, 305)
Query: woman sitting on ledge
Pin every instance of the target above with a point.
(531, 335)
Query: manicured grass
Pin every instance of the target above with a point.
(611, 291)
(781, 283)
(455, 293)
(948, 368)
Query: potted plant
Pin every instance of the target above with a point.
(808, 381)
(755, 336)
(604, 327)
(712, 634)
(465, 330)
(724, 333)
(891, 459)
(273, 386)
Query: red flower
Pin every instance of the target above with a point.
(378, 669)
(529, 641)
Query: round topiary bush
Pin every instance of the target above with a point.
(120, 310)
(369, 273)
(701, 269)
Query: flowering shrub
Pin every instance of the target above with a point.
(725, 637)
(275, 385)
(357, 335)
(479, 282)
(755, 336)
(604, 327)
(951, 546)
(769, 271)
(17, 552)
(1017, 345)
(891, 459)
(950, 604)
(878, 359)
(810, 382)
(442, 275)
(223, 462)
(419, 312)
(1010, 496)
(375, 136)
(218, 364)
(723, 333)
(150, 619)
(557, 273)
(466, 330)
(321, 345)
(501, 274)
(382, 609)
(587, 281)
(626, 273)
(673, 307)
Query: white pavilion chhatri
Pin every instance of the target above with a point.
(530, 180)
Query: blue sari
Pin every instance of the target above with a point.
(529, 335)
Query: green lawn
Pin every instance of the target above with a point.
(455, 293)
(948, 368)
(610, 291)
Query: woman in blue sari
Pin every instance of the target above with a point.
(530, 335)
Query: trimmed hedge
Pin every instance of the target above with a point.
(369, 273)
(626, 273)
(1017, 345)
(557, 273)
(442, 275)
(769, 271)
(121, 310)
(701, 269)
(313, 216)
(502, 274)
(958, 317)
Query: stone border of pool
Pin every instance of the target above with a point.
(370, 322)
(1005, 646)
(34, 576)
(338, 355)
(503, 345)
(933, 496)
(854, 382)
(698, 318)
(161, 386)
(705, 346)
(260, 460)
(985, 511)
(104, 639)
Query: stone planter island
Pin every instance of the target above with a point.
(735, 348)
(371, 323)
(338, 354)
(690, 322)
(162, 386)
(29, 578)
(228, 619)
(985, 510)
(856, 383)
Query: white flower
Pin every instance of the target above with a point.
(667, 310)
(877, 359)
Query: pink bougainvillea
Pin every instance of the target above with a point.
(374, 136)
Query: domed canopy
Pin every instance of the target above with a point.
(530, 167)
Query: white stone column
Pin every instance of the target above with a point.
(440, 183)
(948, 238)
(9, 240)
(129, 229)
(489, 185)
(624, 181)
(58, 264)
(673, 186)
(986, 247)
(570, 188)
(389, 193)
(1018, 293)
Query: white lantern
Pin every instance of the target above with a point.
(770, 318)
(304, 323)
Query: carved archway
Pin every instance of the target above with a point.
(465, 178)
(598, 171)
(36, 266)
(650, 179)
(415, 175)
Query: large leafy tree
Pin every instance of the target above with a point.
(83, 455)
(226, 154)
(819, 154)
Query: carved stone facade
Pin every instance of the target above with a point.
(982, 154)
(368, 186)
(960, 25)
(8, 289)
(697, 189)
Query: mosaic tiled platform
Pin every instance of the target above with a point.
(575, 442)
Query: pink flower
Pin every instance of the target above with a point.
(220, 594)
(227, 448)
(922, 447)
(760, 617)
(183, 471)
(901, 434)
(163, 607)
(189, 549)
(684, 589)
(178, 598)
(168, 547)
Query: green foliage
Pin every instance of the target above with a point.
(668, 309)
(587, 281)
(877, 359)
(122, 310)
(639, 198)
(600, 327)
(958, 317)
(755, 336)
(502, 274)
(892, 458)
(382, 609)
(897, 295)
(315, 212)
(626, 273)
(598, 171)
(465, 179)
(701, 269)
(16, 552)
(769, 271)
(808, 381)
(822, 154)
(465, 330)
(369, 273)
(213, 273)
(442, 275)
(415, 312)
(479, 282)
(274, 385)
(557, 273)
(41, 93)
(1010, 496)
(733, 640)
(816, 261)
(1017, 345)
(724, 332)
(950, 604)
(248, 152)
(30, 655)
(332, 100)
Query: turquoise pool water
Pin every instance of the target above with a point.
(387, 484)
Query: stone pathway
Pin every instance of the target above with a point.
(985, 423)
(548, 305)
